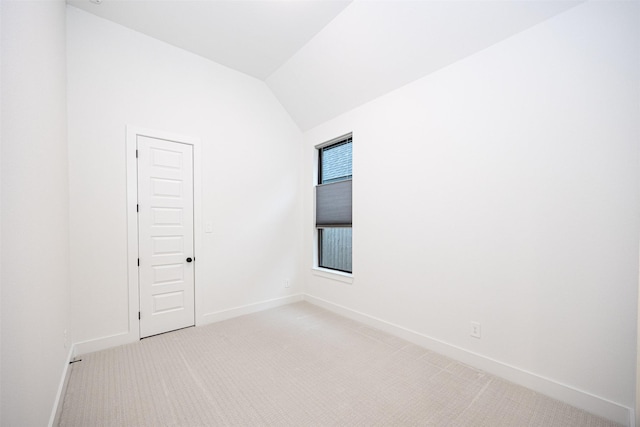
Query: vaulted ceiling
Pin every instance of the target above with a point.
(322, 58)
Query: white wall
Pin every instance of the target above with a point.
(35, 255)
(504, 189)
(250, 163)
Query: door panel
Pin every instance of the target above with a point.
(165, 224)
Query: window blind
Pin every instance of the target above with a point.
(333, 204)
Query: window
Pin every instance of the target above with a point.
(333, 204)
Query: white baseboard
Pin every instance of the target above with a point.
(121, 338)
(578, 398)
(104, 343)
(230, 313)
(115, 340)
(57, 404)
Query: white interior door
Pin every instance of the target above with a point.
(165, 233)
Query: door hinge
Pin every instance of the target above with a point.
(138, 315)
(138, 262)
(136, 154)
(137, 208)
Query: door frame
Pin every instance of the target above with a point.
(132, 219)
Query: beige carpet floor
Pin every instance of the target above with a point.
(296, 365)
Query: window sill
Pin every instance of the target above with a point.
(333, 275)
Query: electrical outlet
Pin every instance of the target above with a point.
(475, 329)
(286, 283)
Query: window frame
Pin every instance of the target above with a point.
(336, 142)
(319, 249)
(328, 272)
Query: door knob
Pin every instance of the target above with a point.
(189, 259)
